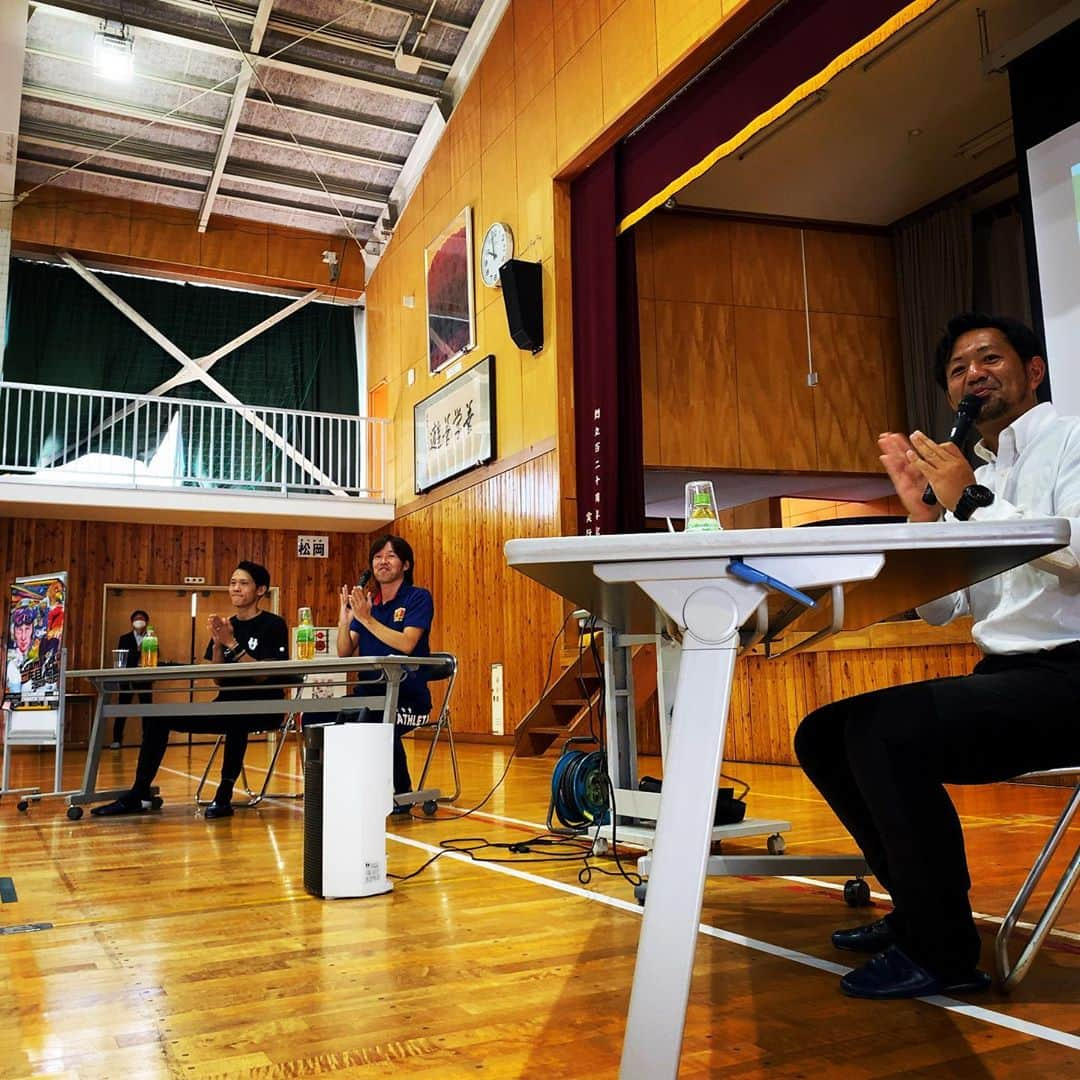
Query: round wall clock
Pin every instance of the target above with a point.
(497, 248)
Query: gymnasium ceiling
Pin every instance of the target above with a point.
(325, 126)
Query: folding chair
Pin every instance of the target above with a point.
(290, 725)
(431, 797)
(1011, 974)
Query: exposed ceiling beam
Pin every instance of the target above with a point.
(191, 38)
(291, 105)
(360, 219)
(140, 151)
(243, 14)
(112, 107)
(187, 276)
(232, 116)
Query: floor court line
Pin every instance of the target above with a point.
(816, 883)
(974, 1012)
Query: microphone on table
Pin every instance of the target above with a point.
(967, 412)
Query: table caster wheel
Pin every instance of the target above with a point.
(23, 805)
(639, 892)
(600, 846)
(856, 893)
(430, 807)
(74, 813)
(776, 844)
(156, 802)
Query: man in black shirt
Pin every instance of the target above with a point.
(249, 634)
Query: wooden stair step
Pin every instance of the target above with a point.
(577, 703)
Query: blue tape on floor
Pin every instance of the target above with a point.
(7, 891)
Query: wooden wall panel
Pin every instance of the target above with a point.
(842, 273)
(851, 405)
(776, 419)
(165, 234)
(696, 398)
(628, 49)
(766, 266)
(98, 553)
(534, 48)
(149, 236)
(770, 697)
(245, 253)
(577, 21)
(94, 223)
(485, 612)
(579, 101)
(691, 259)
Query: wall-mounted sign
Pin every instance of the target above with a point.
(454, 428)
(313, 547)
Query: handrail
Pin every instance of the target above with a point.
(74, 435)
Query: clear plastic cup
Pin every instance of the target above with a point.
(701, 515)
(119, 658)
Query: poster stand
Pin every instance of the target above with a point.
(36, 727)
(35, 667)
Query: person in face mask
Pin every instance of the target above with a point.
(132, 642)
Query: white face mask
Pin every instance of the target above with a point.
(139, 625)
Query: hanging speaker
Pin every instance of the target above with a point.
(523, 295)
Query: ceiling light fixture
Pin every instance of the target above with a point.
(977, 145)
(114, 52)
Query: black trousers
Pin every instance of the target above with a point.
(142, 697)
(881, 760)
(155, 741)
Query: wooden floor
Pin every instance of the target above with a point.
(181, 947)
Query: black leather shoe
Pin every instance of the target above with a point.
(893, 974)
(219, 809)
(870, 938)
(126, 804)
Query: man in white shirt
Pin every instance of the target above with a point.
(882, 759)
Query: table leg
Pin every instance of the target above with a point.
(669, 929)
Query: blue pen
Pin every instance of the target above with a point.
(757, 577)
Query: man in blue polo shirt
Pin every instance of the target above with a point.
(390, 617)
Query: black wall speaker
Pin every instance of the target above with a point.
(523, 295)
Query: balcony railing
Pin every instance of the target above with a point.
(61, 435)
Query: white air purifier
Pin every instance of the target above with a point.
(348, 792)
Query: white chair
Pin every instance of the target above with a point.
(1009, 973)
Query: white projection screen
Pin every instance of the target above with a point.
(1054, 170)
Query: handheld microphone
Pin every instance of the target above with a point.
(967, 412)
(365, 577)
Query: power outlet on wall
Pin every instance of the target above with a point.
(194, 581)
(496, 699)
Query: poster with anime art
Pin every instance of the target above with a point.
(34, 642)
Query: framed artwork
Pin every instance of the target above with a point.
(448, 274)
(454, 428)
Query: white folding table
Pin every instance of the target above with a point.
(287, 675)
(639, 584)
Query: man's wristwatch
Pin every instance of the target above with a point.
(971, 499)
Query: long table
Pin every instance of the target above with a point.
(287, 674)
(681, 585)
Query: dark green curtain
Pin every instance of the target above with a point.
(62, 333)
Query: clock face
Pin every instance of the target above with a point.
(498, 246)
